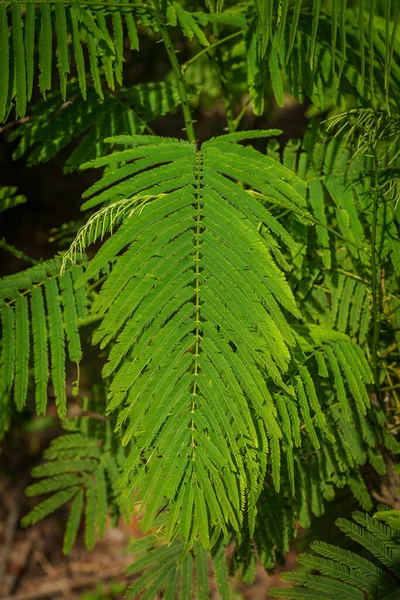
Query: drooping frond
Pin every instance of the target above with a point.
(94, 29)
(103, 222)
(189, 357)
(338, 70)
(194, 304)
(191, 24)
(284, 16)
(368, 129)
(81, 468)
(338, 292)
(311, 476)
(160, 568)
(40, 313)
(54, 124)
(342, 574)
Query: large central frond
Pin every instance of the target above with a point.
(197, 311)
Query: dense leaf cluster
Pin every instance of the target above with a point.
(242, 296)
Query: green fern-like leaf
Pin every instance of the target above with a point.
(9, 198)
(82, 468)
(343, 574)
(24, 23)
(161, 569)
(193, 305)
(54, 125)
(217, 348)
(37, 315)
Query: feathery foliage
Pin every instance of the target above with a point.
(344, 574)
(161, 569)
(9, 197)
(242, 302)
(25, 24)
(83, 466)
(128, 111)
(40, 313)
(191, 363)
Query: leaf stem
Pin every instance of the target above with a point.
(197, 298)
(17, 253)
(217, 59)
(390, 313)
(315, 222)
(241, 114)
(177, 72)
(375, 284)
(189, 62)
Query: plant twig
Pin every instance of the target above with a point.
(177, 72)
(375, 286)
(12, 124)
(217, 59)
(241, 114)
(390, 313)
(209, 48)
(17, 253)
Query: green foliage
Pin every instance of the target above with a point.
(40, 314)
(190, 359)
(390, 517)
(128, 111)
(344, 574)
(9, 198)
(161, 569)
(105, 592)
(86, 24)
(242, 301)
(277, 37)
(83, 466)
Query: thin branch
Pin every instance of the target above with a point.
(177, 72)
(375, 286)
(209, 48)
(17, 253)
(241, 114)
(316, 222)
(13, 124)
(390, 313)
(218, 63)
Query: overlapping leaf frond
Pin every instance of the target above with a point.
(311, 476)
(389, 516)
(338, 292)
(53, 124)
(192, 24)
(40, 312)
(95, 30)
(194, 305)
(286, 64)
(161, 569)
(81, 468)
(189, 359)
(345, 574)
(285, 15)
